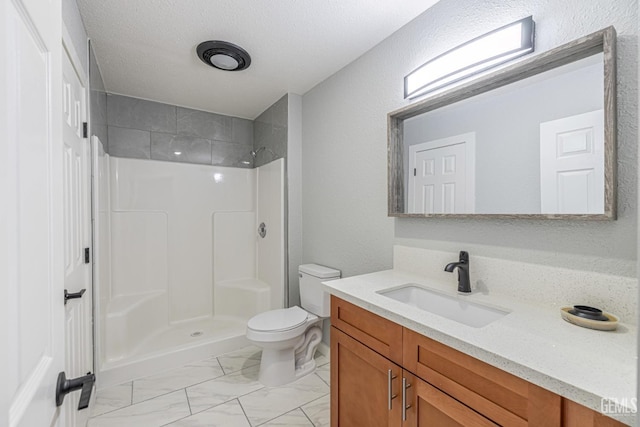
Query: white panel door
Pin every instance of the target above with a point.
(77, 237)
(572, 164)
(441, 176)
(31, 230)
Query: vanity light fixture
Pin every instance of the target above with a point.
(477, 55)
(223, 55)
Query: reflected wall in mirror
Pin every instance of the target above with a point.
(533, 140)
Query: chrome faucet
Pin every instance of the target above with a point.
(464, 285)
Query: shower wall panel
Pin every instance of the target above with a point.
(140, 259)
(234, 254)
(101, 217)
(271, 248)
(188, 196)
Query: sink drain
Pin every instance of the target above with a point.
(196, 333)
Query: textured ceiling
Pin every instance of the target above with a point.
(146, 48)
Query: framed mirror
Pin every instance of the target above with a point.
(536, 139)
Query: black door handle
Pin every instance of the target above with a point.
(68, 296)
(65, 386)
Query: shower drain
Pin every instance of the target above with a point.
(196, 333)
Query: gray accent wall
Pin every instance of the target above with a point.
(143, 129)
(345, 222)
(97, 102)
(270, 131)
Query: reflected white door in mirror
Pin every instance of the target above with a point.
(572, 164)
(443, 175)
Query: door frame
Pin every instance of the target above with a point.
(469, 141)
(82, 71)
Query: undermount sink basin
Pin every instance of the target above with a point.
(451, 307)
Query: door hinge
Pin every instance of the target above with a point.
(87, 256)
(85, 130)
(414, 171)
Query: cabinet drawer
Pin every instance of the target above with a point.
(377, 333)
(498, 395)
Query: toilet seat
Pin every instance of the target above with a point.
(280, 320)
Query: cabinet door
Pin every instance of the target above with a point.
(576, 415)
(363, 385)
(429, 407)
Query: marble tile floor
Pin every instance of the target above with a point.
(220, 391)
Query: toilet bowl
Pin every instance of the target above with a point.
(289, 337)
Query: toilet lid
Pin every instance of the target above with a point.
(278, 320)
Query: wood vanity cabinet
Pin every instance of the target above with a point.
(373, 359)
(360, 385)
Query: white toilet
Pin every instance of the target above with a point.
(289, 336)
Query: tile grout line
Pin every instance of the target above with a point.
(243, 411)
(188, 402)
(281, 415)
(316, 374)
(314, 400)
(231, 399)
(299, 407)
(217, 357)
(306, 415)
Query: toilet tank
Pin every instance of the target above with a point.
(312, 297)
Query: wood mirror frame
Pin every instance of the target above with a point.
(602, 41)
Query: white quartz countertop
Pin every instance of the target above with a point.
(532, 342)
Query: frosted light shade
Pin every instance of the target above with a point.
(491, 49)
(224, 61)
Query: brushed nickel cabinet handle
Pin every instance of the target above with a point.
(390, 395)
(405, 386)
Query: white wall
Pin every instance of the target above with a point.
(345, 223)
(74, 27)
(294, 195)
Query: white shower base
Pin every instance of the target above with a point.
(141, 343)
(175, 346)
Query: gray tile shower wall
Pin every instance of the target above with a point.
(131, 143)
(270, 131)
(180, 148)
(97, 101)
(144, 129)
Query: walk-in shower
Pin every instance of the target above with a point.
(180, 267)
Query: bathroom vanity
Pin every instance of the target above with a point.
(392, 365)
